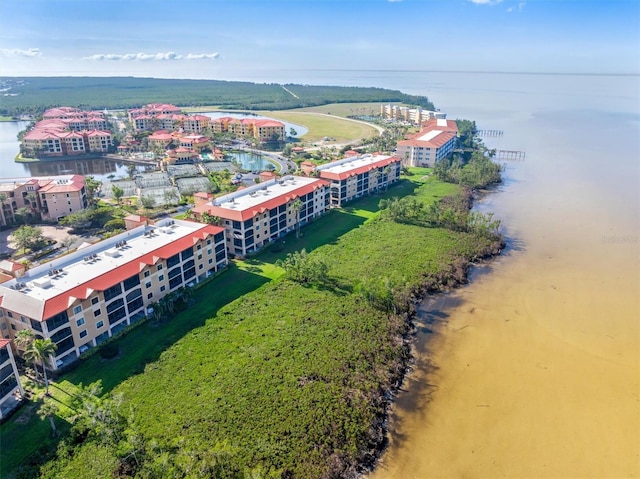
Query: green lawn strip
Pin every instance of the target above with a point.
(321, 126)
(344, 109)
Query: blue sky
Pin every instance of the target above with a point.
(261, 39)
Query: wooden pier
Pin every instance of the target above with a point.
(511, 155)
(489, 133)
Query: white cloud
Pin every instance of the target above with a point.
(520, 7)
(167, 56)
(486, 2)
(16, 52)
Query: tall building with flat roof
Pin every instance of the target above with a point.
(81, 299)
(358, 176)
(433, 142)
(261, 213)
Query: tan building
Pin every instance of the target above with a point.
(11, 392)
(415, 116)
(262, 213)
(354, 177)
(435, 141)
(261, 129)
(82, 299)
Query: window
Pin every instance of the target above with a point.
(147, 284)
(161, 277)
(150, 295)
(22, 319)
(99, 324)
(162, 288)
(159, 267)
(146, 274)
(173, 260)
(10, 314)
(210, 260)
(112, 292)
(209, 241)
(3, 326)
(83, 333)
(57, 321)
(13, 326)
(97, 313)
(94, 300)
(77, 309)
(79, 322)
(200, 266)
(131, 282)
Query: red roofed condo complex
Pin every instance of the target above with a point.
(50, 198)
(434, 141)
(261, 213)
(81, 299)
(68, 131)
(354, 177)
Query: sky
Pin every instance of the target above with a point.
(260, 40)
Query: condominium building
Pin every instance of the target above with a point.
(415, 116)
(11, 392)
(261, 213)
(81, 299)
(354, 177)
(49, 197)
(262, 129)
(435, 141)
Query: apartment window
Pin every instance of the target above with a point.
(159, 267)
(10, 314)
(161, 277)
(77, 309)
(79, 322)
(13, 326)
(147, 284)
(150, 295)
(22, 319)
(146, 274)
(209, 241)
(97, 313)
(200, 266)
(83, 333)
(210, 260)
(199, 246)
(199, 256)
(3, 326)
(112, 292)
(162, 288)
(94, 300)
(99, 324)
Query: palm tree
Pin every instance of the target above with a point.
(24, 338)
(3, 198)
(42, 350)
(296, 205)
(47, 411)
(25, 213)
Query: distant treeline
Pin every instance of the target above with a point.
(33, 95)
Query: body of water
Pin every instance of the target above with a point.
(533, 369)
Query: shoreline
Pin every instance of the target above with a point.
(432, 290)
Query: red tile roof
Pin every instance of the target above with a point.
(251, 211)
(361, 169)
(4, 342)
(61, 302)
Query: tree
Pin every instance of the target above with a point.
(147, 202)
(41, 350)
(23, 339)
(67, 242)
(117, 193)
(47, 411)
(25, 213)
(292, 132)
(296, 205)
(93, 186)
(3, 198)
(27, 236)
(171, 197)
(131, 170)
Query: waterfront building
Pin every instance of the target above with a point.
(435, 141)
(263, 130)
(11, 392)
(68, 131)
(354, 177)
(81, 299)
(262, 213)
(49, 197)
(416, 116)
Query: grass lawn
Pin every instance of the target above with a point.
(344, 109)
(24, 434)
(320, 125)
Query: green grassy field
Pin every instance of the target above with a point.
(265, 371)
(344, 109)
(322, 125)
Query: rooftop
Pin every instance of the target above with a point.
(341, 169)
(52, 287)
